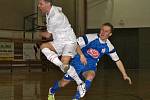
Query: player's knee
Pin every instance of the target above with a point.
(66, 67)
(62, 84)
(65, 59)
(90, 76)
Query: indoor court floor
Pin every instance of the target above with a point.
(108, 85)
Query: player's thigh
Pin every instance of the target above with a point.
(65, 59)
(69, 50)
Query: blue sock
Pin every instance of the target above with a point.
(88, 84)
(54, 88)
(77, 95)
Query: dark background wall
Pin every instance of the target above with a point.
(132, 45)
(13, 11)
(144, 47)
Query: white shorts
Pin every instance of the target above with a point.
(65, 49)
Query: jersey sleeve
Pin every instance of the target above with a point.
(86, 39)
(112, 52)
(48, 30)
(81, 42)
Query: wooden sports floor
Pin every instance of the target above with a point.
(108, 85)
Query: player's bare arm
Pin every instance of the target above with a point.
(45, 34)
(82, 57)
(122, 70)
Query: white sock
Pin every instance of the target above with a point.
(72, 72)
(52, 57)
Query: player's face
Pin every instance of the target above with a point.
(105, 32)
(43, 5)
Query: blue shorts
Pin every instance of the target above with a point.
(80, 68)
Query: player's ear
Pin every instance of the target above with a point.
(49, 3)
(110, 34)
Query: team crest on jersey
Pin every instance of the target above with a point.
(93, 52)
(103, 50)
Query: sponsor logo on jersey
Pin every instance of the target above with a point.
(103, 50)
(93, 52)
(66, 75)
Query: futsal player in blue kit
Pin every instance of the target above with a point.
(93, 47)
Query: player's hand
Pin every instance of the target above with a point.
(45, 34)
(126, 77)
(83, 59)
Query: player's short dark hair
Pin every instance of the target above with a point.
(48, 1)
(110, 25)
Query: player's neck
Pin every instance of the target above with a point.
(48, 9)
(103, 40)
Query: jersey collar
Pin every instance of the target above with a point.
(103, 42)
(51, 12)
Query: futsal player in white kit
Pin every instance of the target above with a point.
(64, 41)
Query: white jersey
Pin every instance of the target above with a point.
(59, 26)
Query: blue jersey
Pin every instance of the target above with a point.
(93, 49)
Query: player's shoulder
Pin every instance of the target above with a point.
(86, 38)
(110, 45)
(52, 12)
(56, 11)
(57, 8)
(92, 36)
(108, 41)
